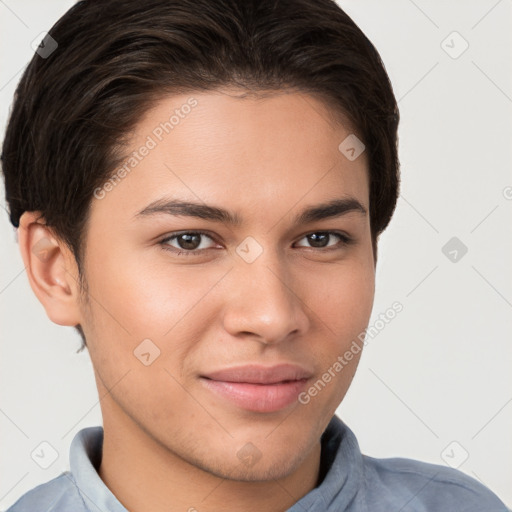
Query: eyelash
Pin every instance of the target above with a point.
(344, 241)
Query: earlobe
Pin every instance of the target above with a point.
(51, 269)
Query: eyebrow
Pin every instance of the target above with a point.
(175, 207)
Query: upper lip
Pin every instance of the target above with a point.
(258, 374)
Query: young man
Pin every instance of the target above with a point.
(199, 188)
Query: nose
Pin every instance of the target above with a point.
(263, 301)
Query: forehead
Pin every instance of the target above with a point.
(265, 152)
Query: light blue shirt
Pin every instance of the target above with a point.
(352, 482)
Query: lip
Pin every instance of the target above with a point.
(258, 388)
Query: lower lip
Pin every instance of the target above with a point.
(258, 397)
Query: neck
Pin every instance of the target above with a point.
(145, 475)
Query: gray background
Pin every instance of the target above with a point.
(434, 384)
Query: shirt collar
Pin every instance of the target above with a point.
(342, 464)
(84, 459)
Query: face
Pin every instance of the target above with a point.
(212, 335)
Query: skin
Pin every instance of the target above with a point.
(170, 443)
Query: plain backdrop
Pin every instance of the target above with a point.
(434, 384)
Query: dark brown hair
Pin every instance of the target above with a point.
(74, 107)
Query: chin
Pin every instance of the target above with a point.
(260, 472)
(252, 465)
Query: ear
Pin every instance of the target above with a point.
(51, 269)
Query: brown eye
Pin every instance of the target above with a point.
(322, 239)
(190, 242)
(318, 239)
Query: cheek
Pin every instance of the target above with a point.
(343, 305)
(344, 300)
(147, 296)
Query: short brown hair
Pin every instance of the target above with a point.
(115, 58)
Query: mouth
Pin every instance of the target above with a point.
(258, 388)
